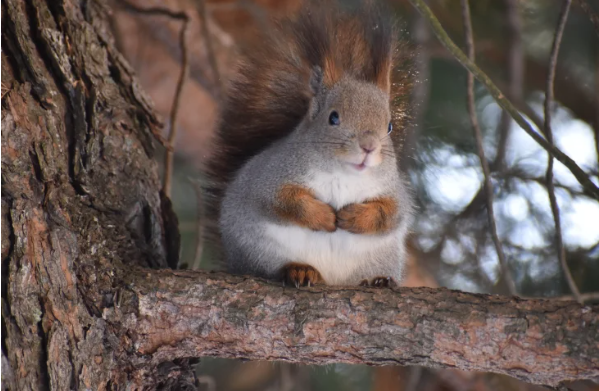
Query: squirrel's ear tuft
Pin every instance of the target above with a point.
(381, 36)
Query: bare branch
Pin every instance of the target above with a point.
(561, 252)
(481, 152)
(590, 188)
(170, 314)
(421, 89)
(515, 79)
(182, 16)
(170, 153)
(209, 47)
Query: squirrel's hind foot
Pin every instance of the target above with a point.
(299, 274)
(380, 282)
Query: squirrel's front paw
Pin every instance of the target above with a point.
(350, 218)
(298, 205)
(380, 282)
(370, 217)
(358, 219)
(321, 217)
(300, 274)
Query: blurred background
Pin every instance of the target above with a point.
(451, 245)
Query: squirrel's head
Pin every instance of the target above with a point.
(350, 122)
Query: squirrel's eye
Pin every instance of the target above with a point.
(334, 118)
(390, 129)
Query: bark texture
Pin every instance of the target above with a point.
(84, 226)
(80, 194)
(186, 314)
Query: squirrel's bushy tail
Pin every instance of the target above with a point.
(270, 92)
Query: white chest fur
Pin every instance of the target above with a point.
(341, 188)
(338, 255)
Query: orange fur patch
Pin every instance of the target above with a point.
(372, 217)
(298, 205)
(332, 72)
(300, 274)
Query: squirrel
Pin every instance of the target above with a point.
(304, 183)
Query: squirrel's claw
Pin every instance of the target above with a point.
(300, 275)
(379, 282)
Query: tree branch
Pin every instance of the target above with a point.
(172, 314)
(505, 272)
(170, 152)
(590, 188)
(170, 145)
(201, 7)
(559, 242)
(515, 78)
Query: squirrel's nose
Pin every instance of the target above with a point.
(368, 145)
(368, 149)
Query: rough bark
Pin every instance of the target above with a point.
(185, 314)
(84, 226)
(80, 193)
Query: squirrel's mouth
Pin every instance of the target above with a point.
(360, 161)
(360, 167)
(368, 161)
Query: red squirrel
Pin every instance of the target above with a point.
(304, 183)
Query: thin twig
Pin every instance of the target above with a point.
(209, 46)
(184, 17)
(197, 258)
(590, 188)
(421, 90)
(561, 252)
(528, 111)
(515, 71)
(516, 174)
(481, 152)
(118, 43)
(586, 7)
(170, 155)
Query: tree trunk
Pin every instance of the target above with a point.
(84, 224)
(80, 195)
